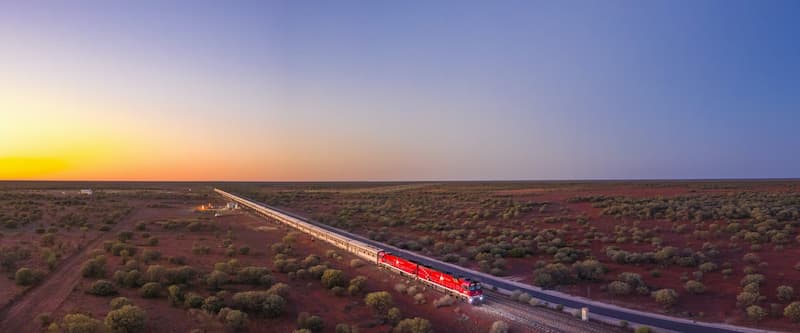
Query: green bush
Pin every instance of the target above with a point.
(756, 313)
(102, 288)
(127, 319)
(694, 287)
(785, 293)
(255, 275)
(175, 294)
(357, 285)
(380, 301)
(193, 300)
(394, 316)
(233, 319)
(27, 277)
(212, 304)
(792, 311)
(150, 290)
(217, 279)
(265, 302)
(119, 302)
(413, 325)
(666, 297)
(80, 323)
(619, 288)
(281, 289)
(333, 278)
(94, 268)
(309, 322)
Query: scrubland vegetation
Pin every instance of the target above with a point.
(668, 246)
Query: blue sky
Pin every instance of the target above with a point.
(418, 90)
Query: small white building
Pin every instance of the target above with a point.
(86, 192)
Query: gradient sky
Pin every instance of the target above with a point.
(376, 90)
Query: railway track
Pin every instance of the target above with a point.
(543, 320)
(368, 249)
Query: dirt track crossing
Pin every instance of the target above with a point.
(19, 314)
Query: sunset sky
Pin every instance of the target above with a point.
(378, 90)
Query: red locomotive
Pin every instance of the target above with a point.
(461, 287)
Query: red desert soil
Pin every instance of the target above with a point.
(17, 316)
(63, 291)
(447, 207)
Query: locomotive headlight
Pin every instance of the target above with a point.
(481, 298)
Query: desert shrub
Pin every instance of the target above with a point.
(281, 248)
(344, 328)
(707, 267)
(26, 276)
(380, 301)
(274, 306)
(751, 258)
(400, 288)
(44, 319)
(255, 275)
(120, 248)
(94, 268)
(271, 305)
(694, 287)
(619, 288)
(49, 257)
(499, 327)
(233, 319)
(747, 298)
(155, 273)
(119, 302)
(212, 304)
(152, 241)
(131, 279)
(127, 319)
(200, 249)
(150, 255)
(193, 300)
(443, 301)
(643, 329)
(175, 294)
(333, 278)
(80, 323)
(357, 285)
(755, 313)
(124, 236)
(102, 288)
(180, 275)
(150, 290)
(590, 270)
(752, 278)
(666, 297)
(413, 325)
(281, 289)
(317, 271)
(792, 311)
(419, 298)
(216, 279)
(312, 323)
(785, 293)
(394, 316)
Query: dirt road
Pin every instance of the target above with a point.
(19, 314)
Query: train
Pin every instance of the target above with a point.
(463, 288)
